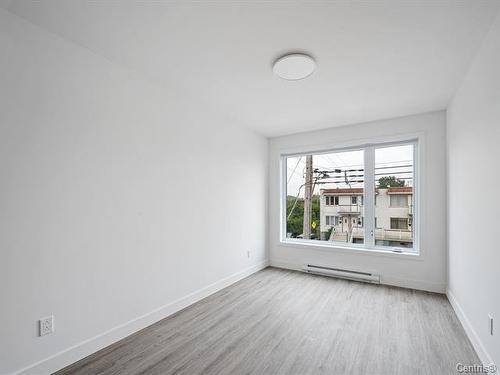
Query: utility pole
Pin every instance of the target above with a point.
(308, 197)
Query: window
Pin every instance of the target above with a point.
(399, 223)
(399, 200)
(323, 186)
(394, 182)
(328, 199)
(332, 200)
(332, 220)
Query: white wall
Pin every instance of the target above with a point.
(427, 272)
(473, 132)
(117, 198)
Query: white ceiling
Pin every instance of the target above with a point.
(375, 59)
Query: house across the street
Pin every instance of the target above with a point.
(342, 216)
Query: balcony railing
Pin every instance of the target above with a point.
(349, 208)
(385, 234)
(394, 234)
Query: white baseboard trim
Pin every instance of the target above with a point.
(285, 265)
(81, 350)
(386, 280)
(481, 351)
(414, 284)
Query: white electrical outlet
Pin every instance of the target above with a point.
(46, 325)
(490, 317)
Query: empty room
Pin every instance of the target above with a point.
(249, 187)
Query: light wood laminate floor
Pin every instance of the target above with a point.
(287, 322)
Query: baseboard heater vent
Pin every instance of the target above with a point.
(342, 273)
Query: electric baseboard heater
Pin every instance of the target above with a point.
(342, 273)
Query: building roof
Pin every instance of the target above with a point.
(344, 191)
(400, 190)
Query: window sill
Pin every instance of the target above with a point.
(374, 251)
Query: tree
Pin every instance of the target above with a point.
(295, 221)
(390, 181)
(294, 224)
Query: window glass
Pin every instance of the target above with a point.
(325, 197)
(323, 200)
(394, 196)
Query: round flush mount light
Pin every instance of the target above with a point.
(294, 66)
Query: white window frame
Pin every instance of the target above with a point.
(368, 199)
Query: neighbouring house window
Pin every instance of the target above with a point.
(399, 200)
(328, 199)
(332, 220)
(332, 200)
(399, 223)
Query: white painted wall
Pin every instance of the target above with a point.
(473, 133)
(117, 197)
(425, 272)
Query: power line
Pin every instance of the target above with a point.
(347, 177)
(297, 197)
(395, 166)
(293, 172)
(355, 181)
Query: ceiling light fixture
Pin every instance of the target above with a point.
(294, 66)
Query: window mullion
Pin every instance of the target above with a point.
(369, 196)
